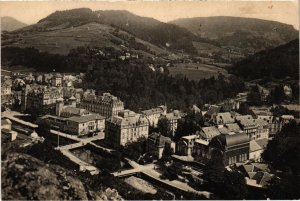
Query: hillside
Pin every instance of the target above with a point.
(11, 24)
(26, 178)
(279, 62)
(251, 35)
(165, 36)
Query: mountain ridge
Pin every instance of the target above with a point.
(250, 33)
(11, 24)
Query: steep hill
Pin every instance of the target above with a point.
(11, 24)
(63, 31)
(161, 34)
(279, 62)
(249, 34)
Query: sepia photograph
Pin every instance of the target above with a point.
(150, 100)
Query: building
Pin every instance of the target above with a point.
(6, 92)
(7, 134)
(56, 80)
(172, 118)
(70, 109)
(223, 118)
(207, 133)
(234, 147)
(106, 105)
(211, 113)
(77, 125)
(264, 93)
(6, 131)
(256, 174)
(184, 146)
(201, 150)
(288, 91)
(154, 114)
(156, 144)
(195, 109)
(126, 127)
(263, 129)
(39, 96)
(248, 125)
(6, 87)
(257, 147)
(6, 123)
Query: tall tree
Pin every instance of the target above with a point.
(283, 153)
(164, 127)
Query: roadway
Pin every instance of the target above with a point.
(11, 115)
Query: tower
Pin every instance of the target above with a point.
(72, 101)
(59, 106)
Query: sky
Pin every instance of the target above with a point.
(282, 11)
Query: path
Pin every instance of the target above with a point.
(11, 115)
(83, 165)
(151, 172)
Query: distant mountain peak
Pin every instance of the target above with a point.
(11, 24)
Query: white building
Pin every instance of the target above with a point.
(126, 127)
(154, 114)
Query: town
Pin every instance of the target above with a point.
(161, 146)
(162, 100)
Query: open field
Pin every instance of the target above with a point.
(194, 71)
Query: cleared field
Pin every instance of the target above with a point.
(60, 40)
(194, 71)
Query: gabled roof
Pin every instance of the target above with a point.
(262, 178)
(153, 111)
(83, 119)
(262, 142)
(254, 146)
(159, 139)
(75, 111)
(234, 127)
(224, 118)
(210, 132)
(212, 110)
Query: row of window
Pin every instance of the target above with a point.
(239, 158)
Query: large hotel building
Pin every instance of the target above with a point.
(106, 105)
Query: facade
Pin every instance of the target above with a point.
(200, 150)
(185, 145)
(56, 80)
(6, 87)
(173, 118)
(248, 125)
(288, 91)
(156, 144)
(254, 128)
(70, 109)
(126, 127)
(234, 147)
(153, 115)
(106, 105)
(6, 92)
(39, 96)
(77, 125)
